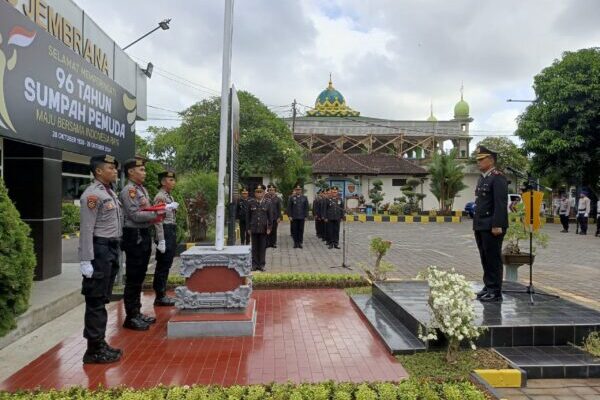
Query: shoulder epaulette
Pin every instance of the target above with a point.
(497, 172)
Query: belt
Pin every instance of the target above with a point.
(140, 230)
(107, 241)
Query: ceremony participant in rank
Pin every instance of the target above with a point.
(166, 239)
(598, 218)
(583, 212)
(276, 215)
(316, 214)
(564, 210)
(334, 212)
(100, 233)
(490, 222)
(137, 242)
(297, 211)
(325, 224)
(242, 210)
(260, 220)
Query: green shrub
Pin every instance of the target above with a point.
(592, 343)
(70, 218)
(17, 263)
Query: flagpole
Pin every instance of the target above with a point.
(225, 83)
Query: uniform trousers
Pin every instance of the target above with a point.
(137, 245)
(583, 223)
(564, 220)
(490, 252)
(272, 237)
(259, 250)
(298, 230)
(333, 231)
(244, 235)
(164, 261)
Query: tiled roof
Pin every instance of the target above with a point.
(336, 162)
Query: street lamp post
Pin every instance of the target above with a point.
(164, 25)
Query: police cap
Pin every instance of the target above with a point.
(166, 174)
(482, 152)
(96, 161)
(260, 188)
(134, 162)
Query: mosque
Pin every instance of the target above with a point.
(350, 151)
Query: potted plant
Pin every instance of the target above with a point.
(512, 255)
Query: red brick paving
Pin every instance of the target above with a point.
(301, 336)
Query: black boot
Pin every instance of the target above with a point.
(162, 300)
(111, 349)
(147, 319)
(482, 292)
(136, 323)
(96, 353)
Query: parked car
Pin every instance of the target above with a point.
(513, 200)
(470, 208)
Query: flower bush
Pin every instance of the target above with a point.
(452, 313)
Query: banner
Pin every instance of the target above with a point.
(537, 207)
(52, 97)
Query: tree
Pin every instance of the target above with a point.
(376, 193)
(17, 262)
(561, 127)
(446, 179)
(411, 196)
(509, 154)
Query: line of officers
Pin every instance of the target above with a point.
(260, 216)
(111, 223)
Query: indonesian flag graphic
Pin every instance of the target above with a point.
(20, 36)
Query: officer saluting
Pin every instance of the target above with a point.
(260, 219)
(166, 238)
(490, 222)
(137, 242)
(101, 228)
(297, 211)
(334, 212)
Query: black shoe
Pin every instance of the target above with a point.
(274, 246)
(111, 349)
(100, 355)
(330, 246)
(336, 246)
(147, 319)
(164, 301)
(136, 323)
(583, 233)
(564, 231)
(300, 246)
(491, 298)
(482, 293)
(295, 245)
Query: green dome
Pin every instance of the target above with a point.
(461, 109)
(432, 118)
(331, 95)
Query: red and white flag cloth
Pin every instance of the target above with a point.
(20, 36)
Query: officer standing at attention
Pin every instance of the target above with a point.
(334, 212)
(276, 215)
(583, 212)
(100, 233)
(297, 211)
(242, 210)
(564, 210)
(137, 242)
(166, 239)
(490, 222)
(260, 219)
(315, 213)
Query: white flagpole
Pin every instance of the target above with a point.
(225, 83)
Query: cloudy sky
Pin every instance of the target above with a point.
(388, 58)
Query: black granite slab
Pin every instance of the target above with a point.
(552, 362)
(514, 322)
(397, 338)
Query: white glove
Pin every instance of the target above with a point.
(161, 246)
(86, 268)
(172, 206)
(585, 215)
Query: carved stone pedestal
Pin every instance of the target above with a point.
(215, 300)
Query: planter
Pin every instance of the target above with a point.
(512, 262)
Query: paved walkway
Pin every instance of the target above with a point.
(570, 263)
(301, 335)
(555, 389)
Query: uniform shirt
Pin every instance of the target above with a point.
(334, 209)
(164, 197)
(101, 215)
(135, 197)
(564, 207)
(491, 201)
(276, 204)
(242, 209)
(584, 206)
(259, 216)
(297, 207)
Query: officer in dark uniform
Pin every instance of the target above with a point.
(334, 212)
(490, 222)
(260, 220)
(276, 215)
(100, 233)
(242, 210)
(166, 239)
(137, 242)
(315, 213)
(297, 211)
(323, 218)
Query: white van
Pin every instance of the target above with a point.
(513, 199)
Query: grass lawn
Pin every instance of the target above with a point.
(433, 364)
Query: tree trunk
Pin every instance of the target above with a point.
(452, 352)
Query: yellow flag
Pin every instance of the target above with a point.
(537, 206)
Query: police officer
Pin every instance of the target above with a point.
(315, 213)
(100, 233)
(564, 210)
(334, 212)
(297, 211)
(166, 239)
(260, 220)
(490, 222)
(137, 242)
(276, 215)
(242, 210)
(583, 212)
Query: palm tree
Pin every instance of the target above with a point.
(446, 178)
